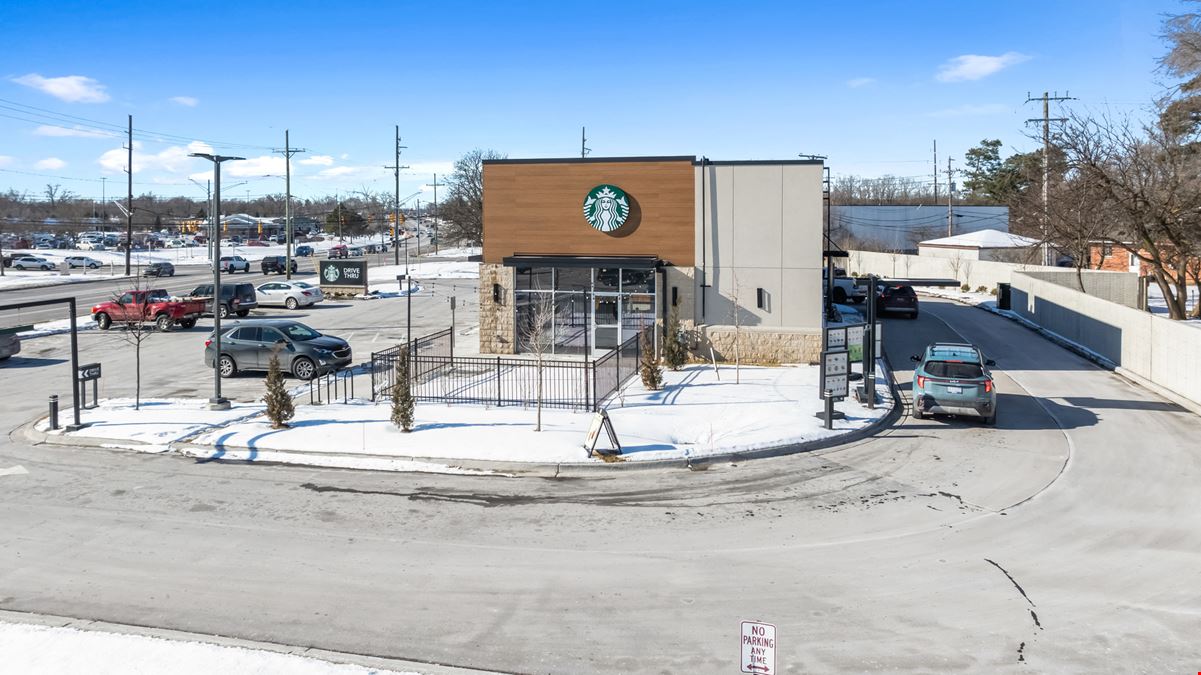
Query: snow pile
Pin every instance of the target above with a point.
(426, 270)
(458, 252)
(696, 414)
(158, 423)
(53, 649)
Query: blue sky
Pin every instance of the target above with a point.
(869, 84)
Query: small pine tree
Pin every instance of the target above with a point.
(279, 402)
(402, 394)
(675, 354)
(649, 368)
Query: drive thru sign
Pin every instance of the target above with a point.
(758, 647)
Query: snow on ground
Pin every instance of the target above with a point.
(968, 297)
(427, 270)
(155, 425)
(696, 414)
(52, 650)
(58, 327)
(1157, 304)
(30, 279)
(458, 252)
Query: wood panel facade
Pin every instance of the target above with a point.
(536, 208)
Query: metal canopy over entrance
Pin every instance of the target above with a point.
(598, 302)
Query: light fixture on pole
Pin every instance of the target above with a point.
(217, 402)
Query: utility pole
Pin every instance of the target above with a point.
(396, 167)
(936, 171)
(287, 152)
(950, 198)
(1046, 119)
(103, 197)
(584, 149)
(129, 199)
(418, 232)
(435, 185)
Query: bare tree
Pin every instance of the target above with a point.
(955, 262)
(463, 210)
(966, 267)
(536, 338)
(1148, 179)
(136, 328)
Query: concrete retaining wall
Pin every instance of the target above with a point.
(1166, 353)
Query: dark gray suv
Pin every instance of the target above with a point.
(247, 345)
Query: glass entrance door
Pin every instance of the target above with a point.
(606, 321)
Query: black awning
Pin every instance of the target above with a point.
(629, 262)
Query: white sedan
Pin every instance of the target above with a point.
(290, 294)
(82, 261)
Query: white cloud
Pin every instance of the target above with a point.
(317, 160)
(345, 155)
(187, 101)
(972, 110)
(339, 171)
(171, 160)
(974, 66)
(51, 163)
(5, 160)
(860, 82)
(73, 132)
(71, 88)
(262, 165)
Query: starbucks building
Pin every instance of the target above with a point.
(600, 248)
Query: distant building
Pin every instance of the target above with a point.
(982, 245)
(900, 228)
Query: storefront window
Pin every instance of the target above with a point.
(578, 279)
(607, 279)
(534, 278)
(637, 312)
(637, 281)
(571, 322)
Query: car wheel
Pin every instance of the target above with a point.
(840, 296)
(291, 303)
(171, 273)
(47, 268)
(163, 322)
(103, 321)
(991, 420)
(858, 301)
(187, 323)
(224, 310)
(226, 366)
(303, 368)
(243, 312)
(94, 266)
(913, 316)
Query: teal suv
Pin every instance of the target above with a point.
(953, 379)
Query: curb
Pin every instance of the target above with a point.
(1085, 354)
(187, 449)
(333, 657)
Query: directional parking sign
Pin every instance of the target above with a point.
(758, 647)
(90, 371)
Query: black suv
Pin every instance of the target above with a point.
(277, 264)
(235, 298)
(159, 269)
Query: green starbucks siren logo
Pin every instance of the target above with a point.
(606, 207)
(331, 273)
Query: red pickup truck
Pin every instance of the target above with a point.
(143, 306)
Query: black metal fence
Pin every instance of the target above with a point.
(500, 381)
(383, 364)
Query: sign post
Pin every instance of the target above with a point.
(84, 374)
(758, 645)
(834, 384)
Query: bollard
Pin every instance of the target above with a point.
(54, 412)
(829, 396)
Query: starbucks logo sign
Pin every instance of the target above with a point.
(331, 273)
(606, 207)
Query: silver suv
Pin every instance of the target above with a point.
(303, 352)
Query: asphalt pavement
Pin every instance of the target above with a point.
(1065, 539)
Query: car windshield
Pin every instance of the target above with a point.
(301, 284)
(954, 370)
(299, 332)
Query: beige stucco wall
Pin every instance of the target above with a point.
(498, 322)
(760, 226)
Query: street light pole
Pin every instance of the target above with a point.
(217, 402)
(435, 185)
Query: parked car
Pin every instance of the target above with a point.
(175, 243)
(30, 262)
(8, 261)
(159, 269)
(287, 294)
(234, 263)
(235, 298)
(303, 251)
(355, 251)
(82, 261)
(953, 379)
(91, 246)
(303, 352)
(10, 345)
(155, 305)
(276, 264)
(256, 242)
(846, 288)
(897, 298)
(339, 251)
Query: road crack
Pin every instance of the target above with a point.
(1033, 615)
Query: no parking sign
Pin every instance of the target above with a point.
(758, 647)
